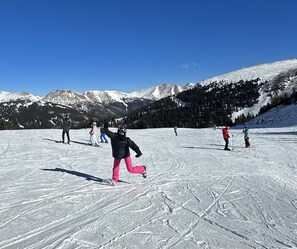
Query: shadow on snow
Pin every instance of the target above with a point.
(59, 141)
(83, 175)
(202, 148)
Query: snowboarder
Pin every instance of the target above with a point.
(120, 150)
(175, 130)
(66, 128)
(246, 137)
(226, 137)
(103, 138)
(93, 134)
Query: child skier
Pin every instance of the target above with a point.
(120, 150)
(226, 137)
(246, 137)
(93, 135)
(102, 136)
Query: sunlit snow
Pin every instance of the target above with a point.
(196, 195)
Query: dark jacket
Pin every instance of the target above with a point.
(120, 145)
(66, 125)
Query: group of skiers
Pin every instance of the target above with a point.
(120, 145)
(94, 135)
(226, 137)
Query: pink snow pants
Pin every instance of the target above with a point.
(130, 168)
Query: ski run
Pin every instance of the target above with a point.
(196, 194)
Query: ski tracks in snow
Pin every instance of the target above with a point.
(194, 196)
(70, 224)
(216, 197)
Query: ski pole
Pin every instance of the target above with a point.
(232, 141)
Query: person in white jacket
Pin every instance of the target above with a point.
(94, 135)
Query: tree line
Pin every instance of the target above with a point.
(205, 106)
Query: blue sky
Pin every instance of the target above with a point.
(128, 45)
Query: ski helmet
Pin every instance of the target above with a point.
(122, 130)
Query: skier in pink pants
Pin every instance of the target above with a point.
(120, 150)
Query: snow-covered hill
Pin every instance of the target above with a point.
(265, 72)
(282, 116)
(7, 96)
(275, 78)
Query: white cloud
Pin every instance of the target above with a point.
(186, 66)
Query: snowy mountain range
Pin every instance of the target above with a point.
(280, 77)
(72, 99)
(88, 105)
(277, 76)
(229, 99)
(69, 97)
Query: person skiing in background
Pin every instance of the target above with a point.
(226, 137)
(246, 137)
(66, 128)
(120, 145)
(175, 130)
(93, 134)
(103, 138)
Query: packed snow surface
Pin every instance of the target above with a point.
(197, 195)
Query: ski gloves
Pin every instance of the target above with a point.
(138, 155)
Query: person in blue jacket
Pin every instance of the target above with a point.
(103, 138)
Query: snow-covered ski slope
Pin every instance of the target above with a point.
(196, 195)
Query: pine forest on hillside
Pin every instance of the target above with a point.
(206, 106)
(203, 106)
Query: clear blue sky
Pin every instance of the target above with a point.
(128, 45)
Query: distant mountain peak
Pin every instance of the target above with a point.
(158, 91)
(64, 97)
(7, 96)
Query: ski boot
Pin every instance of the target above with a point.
(144, 174)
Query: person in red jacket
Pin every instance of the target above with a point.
(120, 145)
(226, 136)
